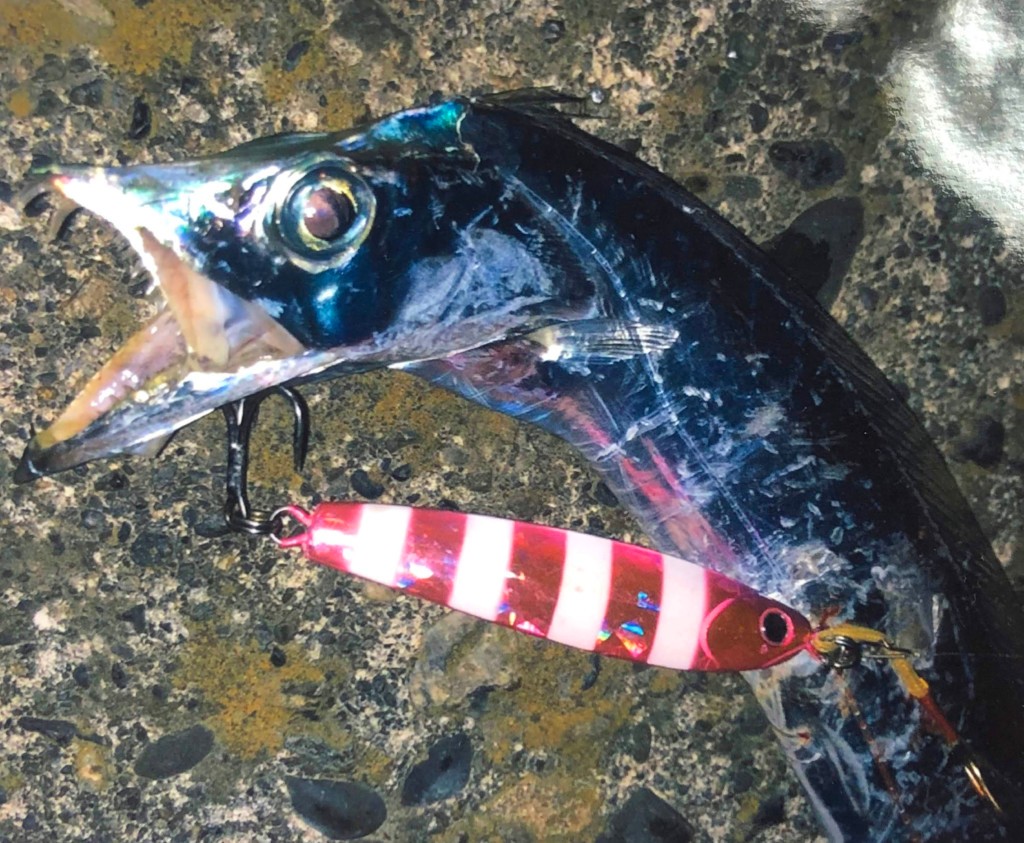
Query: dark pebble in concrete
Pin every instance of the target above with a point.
(80, 64)
(402, 472)
(212, 526)
(646, 818)
(338, 810)
(142, 120)
(50, 70)
(836, 42)
(93, 519)
(984, 446)
(742, 188)
(742, 781)
(443, 774)
(638, 742)
(758, 117)
(152, 548)
(604, 496)
(365, 485)
(136, 616)
(818, 247)
(115, 481)
(591, 676)
(13, 635)
(295, 54)
(81, 676)
(991, 306)
(38, 205)
(174, 754)
(814, 163)
(770, 812)
(743, 51)
(48, 103)
(553, 30)
(189, 85)
(89, 94)
(868, 298)
(61, 731)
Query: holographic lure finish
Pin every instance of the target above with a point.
(493, 248)
(583, 591)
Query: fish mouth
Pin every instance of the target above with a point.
(204, 347)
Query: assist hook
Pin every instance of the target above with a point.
(240, 416)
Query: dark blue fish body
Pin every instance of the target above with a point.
(514, 259)
(764, 443)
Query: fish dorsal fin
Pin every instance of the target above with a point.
(533, 100)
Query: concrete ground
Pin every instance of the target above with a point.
(159, 682)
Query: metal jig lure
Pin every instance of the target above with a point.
(583, 591)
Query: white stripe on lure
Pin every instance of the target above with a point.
(586, 592)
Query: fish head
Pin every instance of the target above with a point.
(298, 255)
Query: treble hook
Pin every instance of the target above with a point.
(240, 416)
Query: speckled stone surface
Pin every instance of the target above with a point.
(160, 682)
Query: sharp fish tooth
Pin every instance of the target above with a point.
(148, 352)
(195, 301)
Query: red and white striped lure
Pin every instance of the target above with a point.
(582, 591)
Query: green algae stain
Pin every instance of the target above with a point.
(323, 80)
(549, 712)
(256, 704)
(555, 809)
(20, 103)
(409, 404)
(128, 37)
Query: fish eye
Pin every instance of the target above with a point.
(326, 213)
(323, 216)
(776, 627)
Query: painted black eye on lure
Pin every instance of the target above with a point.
(776, 628)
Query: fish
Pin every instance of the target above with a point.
(492, 247)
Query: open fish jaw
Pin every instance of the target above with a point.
(202, 337)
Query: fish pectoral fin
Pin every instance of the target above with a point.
(603, 340)
(818, 247)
